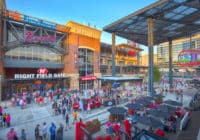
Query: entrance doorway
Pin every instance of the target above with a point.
(85, 85)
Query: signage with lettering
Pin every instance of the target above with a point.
(189, 57)
(29, 37)
(38, 22)
(88, 77)
(39, 76)
(35, 21)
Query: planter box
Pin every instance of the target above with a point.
(93, 126)
(93, 129)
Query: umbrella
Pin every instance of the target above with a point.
(149, 98)
(117, 110)
(143, 102)
(158, 113)
(158, 96)
(166, 108)
(171, 102)
(134, 106)
(150, 121)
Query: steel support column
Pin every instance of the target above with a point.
(113, 54)
(150, 49)
(170, 65)
(4, 33)
(138, 58)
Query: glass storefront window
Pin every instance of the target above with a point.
(86, 66)
(34, 53)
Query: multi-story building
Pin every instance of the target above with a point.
(127, 60)
(35, 53)
(38, 55)
(192, 42)
(144, 59)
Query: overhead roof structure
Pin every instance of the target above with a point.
(172, 19)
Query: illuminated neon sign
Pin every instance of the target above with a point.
(42, 70)
(35, 21)
(189, 58)
(29, 37)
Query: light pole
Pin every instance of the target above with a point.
(86, 69)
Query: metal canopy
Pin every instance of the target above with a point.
(120, 78)
(172, 19)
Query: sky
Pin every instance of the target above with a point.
(98, 13)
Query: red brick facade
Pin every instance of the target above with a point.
(80, 36)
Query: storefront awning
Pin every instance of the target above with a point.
(88, 77)
(111, 78)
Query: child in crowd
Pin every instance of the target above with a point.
(23, 135)
(75, 115)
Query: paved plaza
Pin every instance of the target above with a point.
(34, 114)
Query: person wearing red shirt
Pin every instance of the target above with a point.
(116, 128)
(127, 127)
(8, 119)
(11, 134)
(1, 110)
(40, 100)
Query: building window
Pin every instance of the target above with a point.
(198, 43)
(86, 66)
(188, 45)
(33, 53)
(121, 63)
(109, 62)
(103, 71)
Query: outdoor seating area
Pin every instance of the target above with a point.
(145, 113)
(195, 102)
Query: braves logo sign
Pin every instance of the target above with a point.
(42, 70)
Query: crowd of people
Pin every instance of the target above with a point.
(5, 118)
(41, 132)
(63, 107)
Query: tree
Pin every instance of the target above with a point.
(157, 74)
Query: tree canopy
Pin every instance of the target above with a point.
(157, 74)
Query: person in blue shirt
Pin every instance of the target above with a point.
(52, 131)
(134, 118)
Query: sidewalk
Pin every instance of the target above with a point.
(28, 118)
(34, 114)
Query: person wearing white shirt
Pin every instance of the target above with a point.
(44, 131)
(45, 100)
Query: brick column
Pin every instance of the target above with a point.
(74, 81)
(96, 82)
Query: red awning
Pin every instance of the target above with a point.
(88, 77)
